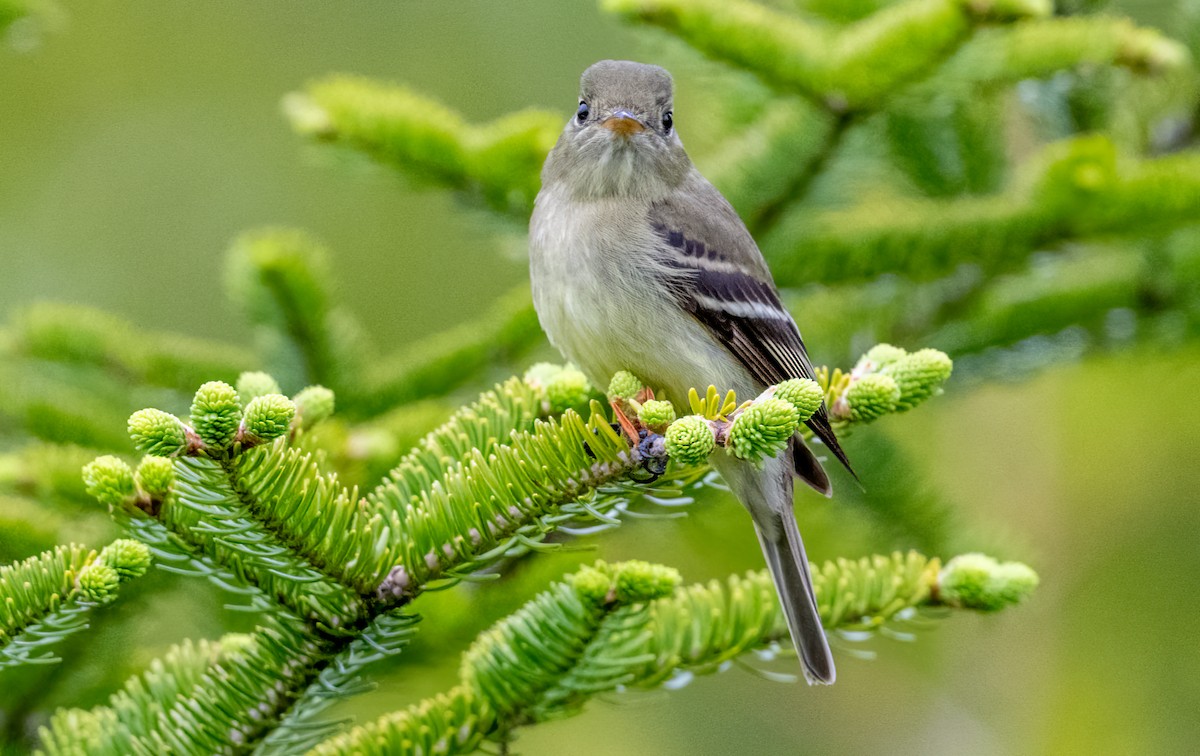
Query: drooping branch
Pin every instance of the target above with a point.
(46, 597)
(630, 625)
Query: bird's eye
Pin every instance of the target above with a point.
(582, 114)
(668, 121)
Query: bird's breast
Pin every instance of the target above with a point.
(603, 297)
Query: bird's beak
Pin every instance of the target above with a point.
(624, 123)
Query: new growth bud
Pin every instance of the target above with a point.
(624, 385)
(155, 475)
(802, 393)
(158, 433)
(656, 415)
(128, 557)
(98, 583)
(313, 405)
(216, 413)
(566, 389)
(872, 396)
(977, 581)
(267, 418)
(253, 384)
(689, 440)
(762, 429)
(919, 376)
(110, 480)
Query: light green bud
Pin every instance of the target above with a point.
(216, 413)
(639, 581)
(657, 414)
(689, 440)
(762, 429)
(155, 476)
(592, 584)
(977, 581)
(919, 376)
(568, 388)
(313, 404)
(882, 355)
(872, 396)
(157, 432)
(804, 394)
(624, 385)
(1013, 582)
(268, 417)
(541, 373)
(110, 480)
(253, 384)
(98, 583)
(128, 557)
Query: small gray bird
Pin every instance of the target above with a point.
(639, 264)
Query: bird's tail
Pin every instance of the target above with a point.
(768, 496)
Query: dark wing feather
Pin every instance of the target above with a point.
(730, 291)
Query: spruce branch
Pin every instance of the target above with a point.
(207, 699)
(494, 481)
(1080, 189)
(501, 160)
(65, 404)
(47, 597)
(612, 627)
(74, 334)
(772, 157)
(1078, 293)
(280, 278)
(302, 728)
(46, 472)
(852, 68)
(142, 699)
(442, 362)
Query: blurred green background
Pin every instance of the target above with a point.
(138, 138)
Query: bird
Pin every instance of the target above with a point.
(638, 263)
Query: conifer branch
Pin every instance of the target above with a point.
(218, 702)
(629, 625)
(143, 699)
(768, 159)
(280, 278)
(47, 472)
(501, 160)
(262, 519)
(46, 597)
(75, 334)
(443, 362)
(1081, 189)
(301, 728)
(846, 69)
(1078, 291)
(65, 404)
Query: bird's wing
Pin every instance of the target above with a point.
(722, 280)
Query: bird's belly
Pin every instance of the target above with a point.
(622, 323)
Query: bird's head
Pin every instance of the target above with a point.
(621, 140)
